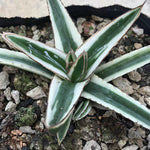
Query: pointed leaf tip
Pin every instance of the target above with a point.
(100, 44)
(50, 58)
(66, 34)
(62, 98)
(79, 68)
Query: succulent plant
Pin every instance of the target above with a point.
(75, 70)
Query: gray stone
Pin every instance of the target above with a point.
(92, 145)
(143, 148)
(80, 24)
(33, 28)
(108, 114)
(147, 100)
(136, 136)
(36, 35)
(132, 147)
(4, 134)
(121, 49)
(134, 76)
(135, 86)
(51, 43)
(148, 138)
(104, 146)
(15, 96)
(107, 21)
(27, 129)
(36, 93)
(101, 25)
(138, 97)
(88, 28)
(10, 69)
(97, 18)
(11, 107)
(138, 45)
(124, 85)
(122, 142)
(138, 31)
(7, 93)
(148, 146)
(145, 90)
(92, 112)
(4, 80)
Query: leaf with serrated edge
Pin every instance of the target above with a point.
(63, 95)
(78, 70)
(99, 45)
(63, 129)
(21, 61)
(66, 35)
(124, 64)
(109, 96)
(51, 58)
(82, 110)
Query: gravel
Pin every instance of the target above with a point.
(4, 80)
(36, 93)
(23, 101)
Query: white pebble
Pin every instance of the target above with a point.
(10, 107)
(36, 93)
(15, 96)
(4, 80)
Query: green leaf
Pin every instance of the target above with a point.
(78, 70)
(99, 45)
(65, 33)
(62, 98)
(51, 58)
(21, 61)
(63, 129)
(82, 110)
(109, 96)
(70, 59)
(124, 64)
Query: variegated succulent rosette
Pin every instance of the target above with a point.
(75, 68)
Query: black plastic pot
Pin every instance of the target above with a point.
(81, 11)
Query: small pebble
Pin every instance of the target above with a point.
(7, 93)
(132, 147)
(104, 146)
(124, 85)
(145, 90)
(122, 142)
(107, 114)
(15, 96)
(135, 86)
(97, 18)
(4, 80)
(10, 107)
(138, 45)
(138, 31)
(10, 69)
(36, 93)
(88, 28)
(26, 129)
(34, 28)
(50, 43)
(135, 76)
(148, 138)
(91, 145)
(101, 25)
(80, 24)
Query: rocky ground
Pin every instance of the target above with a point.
(23, 100)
